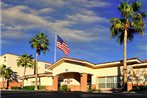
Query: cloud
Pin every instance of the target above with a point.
(43, 3)
(14, 34)
(16, 15)
(16, 19)
(4, 5)
(45, 11)
(76, 35)
(10, 32)
(90, 3)
(64, 3)
(5, 42)
(86, 16)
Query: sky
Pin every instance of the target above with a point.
(82, 24)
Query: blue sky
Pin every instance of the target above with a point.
(82, 24)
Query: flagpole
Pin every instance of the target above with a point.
(55, 48)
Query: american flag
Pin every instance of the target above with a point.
(62, 45)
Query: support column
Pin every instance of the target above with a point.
(84, 82)
(129, 86)
(93, 82)
(55, 83)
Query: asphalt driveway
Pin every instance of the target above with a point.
(46, 94)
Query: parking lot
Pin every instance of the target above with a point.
(46, 94)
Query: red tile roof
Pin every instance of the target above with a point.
(144, 61)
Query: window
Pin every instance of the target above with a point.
(4, 58)
(33, 82)
(46, 66)
(145, 78)
(108, 82)
(46, 72)
(101, 82)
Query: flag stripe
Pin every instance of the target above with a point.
(62, 45)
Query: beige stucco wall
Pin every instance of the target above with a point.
(140, 69)
(71, 67)
(41, 67)
(29, 82)
(111, 71)
(102, 72)
(1, 59)
(10, 60)
(44, 81)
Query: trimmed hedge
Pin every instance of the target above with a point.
(17, 88)
(28, 88)
(140, 89)
(41, 87)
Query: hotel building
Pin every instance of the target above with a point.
(78, 75)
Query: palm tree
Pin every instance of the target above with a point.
(130, 23)
(40, 42)
(11, 76)
(3, 74)
(25, 61)
(8, 74)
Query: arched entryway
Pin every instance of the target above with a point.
(74, 80)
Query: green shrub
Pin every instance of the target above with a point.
(28, 88)
(139, 88)
(99, 90)
(136, 88)
(2, 88)
(17, 88)
(90, 89)
(41, 87)
(33, 87)
(64, 88)
(143, 88)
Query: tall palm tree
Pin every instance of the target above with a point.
(8, 74)
(130, 23)
(25, 61)
(40, 42)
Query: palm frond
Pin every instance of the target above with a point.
(143, 14)
(116, 27)
(136, 6)
(40, 42)
(25, 60)
(125, 9)
(132, 21)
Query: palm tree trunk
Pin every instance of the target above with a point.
(7, 84)
(125, 58)
(3, 83)
(24, 76)
(36, 82)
